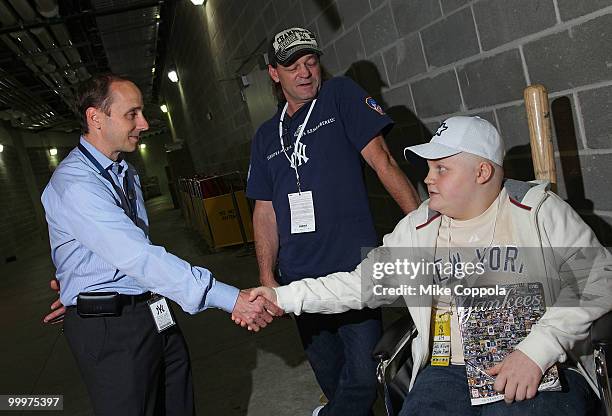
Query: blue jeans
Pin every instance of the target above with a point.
(339, 348)
(443, 391)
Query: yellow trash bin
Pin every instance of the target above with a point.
(224, 221)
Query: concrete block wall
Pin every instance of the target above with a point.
(18, 222)
(43, 164)
(25, 168)
(208, 45)
(432, 59)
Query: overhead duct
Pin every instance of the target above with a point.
(59, 82)
(47, 8)
(43, 36)
(48, 83)
(50, 9)
(63, 39)
(29, 15)
(48, 68)
(26, 60)
(24, 10)
(45, 51)
(82, 73)
(7, 17)
(24, 42)
(61, 34)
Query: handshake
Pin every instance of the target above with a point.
(256, 308)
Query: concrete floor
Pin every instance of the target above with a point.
(235, 372)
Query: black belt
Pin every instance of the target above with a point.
(134, 299)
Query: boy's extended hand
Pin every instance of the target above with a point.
(264, 296)
(254, 312)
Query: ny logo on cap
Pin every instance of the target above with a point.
(442, 128)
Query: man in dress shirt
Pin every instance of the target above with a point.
(131, 354)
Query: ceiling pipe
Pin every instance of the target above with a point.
(107, 11)
(47, 8)
(18, 100)
(23, 41)
(47, 68)
(27, 13)
(48, 83)
(47, 52)
(61, 34)
(59, 82)
(7, 17)
(41, 32)
(48, 43)
(24, 10)
(63, 38)
(83, 74)
(50, 10)
(26, 60)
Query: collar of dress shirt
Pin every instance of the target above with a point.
(104, 161)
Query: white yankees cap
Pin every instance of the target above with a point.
(463, 134)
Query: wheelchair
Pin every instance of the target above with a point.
(395, 361)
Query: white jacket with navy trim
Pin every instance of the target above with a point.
(540, 219)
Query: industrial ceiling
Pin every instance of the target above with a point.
(48, 47)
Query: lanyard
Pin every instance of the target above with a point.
(293, 159)
(128, 203)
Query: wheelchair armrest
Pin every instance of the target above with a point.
(601, 331)
(392, 336)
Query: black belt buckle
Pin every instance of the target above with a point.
(98, 304)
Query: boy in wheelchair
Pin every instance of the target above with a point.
(472, 208)
(473, 211)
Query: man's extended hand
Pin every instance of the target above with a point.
(254, 314)
(57, 309)
(517, 377)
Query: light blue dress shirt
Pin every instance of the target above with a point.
(96, 247)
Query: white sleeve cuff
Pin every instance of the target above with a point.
(541, 351)
(286, 298)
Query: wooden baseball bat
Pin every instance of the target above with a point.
(538, 118)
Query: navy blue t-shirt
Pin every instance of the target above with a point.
(343, 121)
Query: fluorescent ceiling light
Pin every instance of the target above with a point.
(173, 75)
